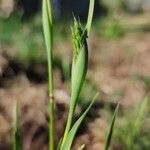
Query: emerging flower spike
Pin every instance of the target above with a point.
(80, 59)
(79, 69)
(79, 35)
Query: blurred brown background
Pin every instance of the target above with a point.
(119, 68)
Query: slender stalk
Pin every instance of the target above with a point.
(51, 124)
(48, 34)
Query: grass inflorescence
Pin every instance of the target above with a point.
(79, 35)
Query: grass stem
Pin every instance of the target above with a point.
(48, 34)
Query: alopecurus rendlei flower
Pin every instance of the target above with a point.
(79, 67)
(80, 60)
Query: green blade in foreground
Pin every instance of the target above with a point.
(71, 135)
(107, 144)
(16, 134)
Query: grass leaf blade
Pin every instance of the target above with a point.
(107, 144)
(90, 16)
(48, 36)
(71, 135)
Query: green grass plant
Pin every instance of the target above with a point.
(79, 68)
(80, 33)
(128, 131)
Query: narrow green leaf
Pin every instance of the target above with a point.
(107, 144)
(72, 133)
(16, 133)
(47, 23)
(90, 16)
(48, 36)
